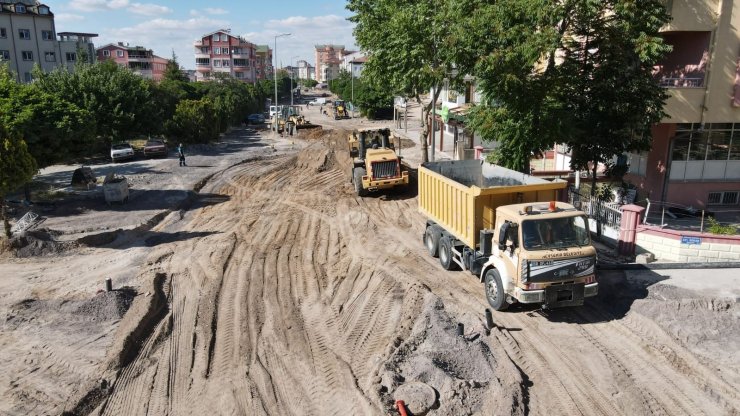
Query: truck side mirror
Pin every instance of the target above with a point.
(502, 235)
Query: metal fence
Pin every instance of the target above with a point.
(607, 213)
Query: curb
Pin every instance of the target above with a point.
(669, 266)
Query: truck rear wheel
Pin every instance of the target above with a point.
(495, 291)
(431, 240)
(357, 175)
(445, 253)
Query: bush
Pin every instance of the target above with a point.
(716, 228)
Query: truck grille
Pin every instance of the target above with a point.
(385, 170)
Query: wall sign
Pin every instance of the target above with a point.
(690, 240)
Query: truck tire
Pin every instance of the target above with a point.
(495, 291)
(357, 175)
(445, 253)
(431, 240)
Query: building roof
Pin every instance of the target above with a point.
(262, 48)
(360, 60)
(329, 46)
(81, 34)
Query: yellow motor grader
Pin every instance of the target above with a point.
(375, 165)
(290, 119)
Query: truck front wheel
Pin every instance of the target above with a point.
(495, 291)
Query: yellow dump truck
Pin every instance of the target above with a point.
(507, 228)
(375, 165)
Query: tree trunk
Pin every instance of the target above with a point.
(596, 201)
(424, 137)
(4, 216)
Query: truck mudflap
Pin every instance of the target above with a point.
(558, 296)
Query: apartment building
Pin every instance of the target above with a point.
(28, 37)
(222, 52)
(329, 60)
(695, 158)
(263, 62)
(138, 59)
(76, 47)
(353, 62)
(306, 70)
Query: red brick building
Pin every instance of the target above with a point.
(138, 59)
(221, 52)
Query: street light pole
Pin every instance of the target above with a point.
(292, 74)
(274, 79)
(352, 73)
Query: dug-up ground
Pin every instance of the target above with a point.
(285, 294)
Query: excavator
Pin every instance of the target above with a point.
(375, 165)
(340, 110)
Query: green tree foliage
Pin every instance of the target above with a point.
(53, 128)
(119, 102)
(172, 71)
(369, 97)
(412, 46)
(309, 83)
(16, 168)
(573, 72)
(194, 121)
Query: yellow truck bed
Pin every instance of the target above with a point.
(462, 195)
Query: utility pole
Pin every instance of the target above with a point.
(274, 80)
(292, 74)
(352, 73)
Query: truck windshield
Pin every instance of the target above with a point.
(550, 233)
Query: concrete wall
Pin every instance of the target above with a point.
(666, 246)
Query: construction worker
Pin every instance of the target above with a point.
(181, 154)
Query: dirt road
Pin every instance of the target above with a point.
(287, 294)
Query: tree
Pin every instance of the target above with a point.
(53, 128)
(194, 121)
(310, 83)
(16, 168)
(412, 46)
(119, 102)
(172, 71)
(600, 100)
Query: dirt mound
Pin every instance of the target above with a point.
(39, 243)
(107, 305)
(464, 371)
(701, 324)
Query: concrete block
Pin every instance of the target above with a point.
(644, 258)
(735, 248)
(710, 254)
(645, 244)
(681, 259)
(688, 252)
(720, 247)
(729, 255)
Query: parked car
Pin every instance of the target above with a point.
(256, 118)
(121, 151)
(318, 101)
(155, 148)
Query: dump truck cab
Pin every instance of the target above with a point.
(541, 253)
(375, 165)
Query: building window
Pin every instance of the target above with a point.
(723, 198)
(71, 56)
(217, 51)
(217, 63)
(27, 55)
(202, 62)
(50, 57)
(4, 55)
(119, 53)
(240, 62)
(24, 34)
(239, 75)
(215, 37)
(19, 8)
(43, 10)
(106, 52)
(3, 32)
(27, 77)
(204, 49)
(47, 35)
(226, 63)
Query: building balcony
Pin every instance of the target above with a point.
(199, 43)
(200, 54)
(203, 68)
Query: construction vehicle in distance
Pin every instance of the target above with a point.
(375, 165)
(340, 110)
(290, 119)
(491, 221)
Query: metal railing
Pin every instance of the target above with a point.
(682, 82)
(607, 213)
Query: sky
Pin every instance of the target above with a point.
(167, 25)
